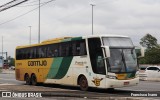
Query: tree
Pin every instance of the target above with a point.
(12, 62)
(152, 54)
(148, 41)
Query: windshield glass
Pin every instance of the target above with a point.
(117, 41)
(122, 60)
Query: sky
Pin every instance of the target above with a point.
(59, 18)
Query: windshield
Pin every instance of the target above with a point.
(122, 60)
(117, 41)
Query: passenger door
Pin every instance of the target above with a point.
(98, 72)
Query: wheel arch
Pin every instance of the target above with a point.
(25, 76)
(79, 78)
(33, 74)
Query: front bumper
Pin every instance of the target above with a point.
(113, 83)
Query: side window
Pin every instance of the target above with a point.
(33, 52)
(60, 50)
(149, 68)
(69, 49)
(18, 54)
(41, 52)
(83, 48)
(55, 50)
(23, 54)
(48, 51)
(79, 48)
(152, 68)
(44, 49)
(63, 49)
(156, 68)
(142, 68)
(26, 53)
(76, 48)
(51, 50)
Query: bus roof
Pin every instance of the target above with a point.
(105, 35)
(63, 39)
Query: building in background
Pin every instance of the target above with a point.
(1, 62)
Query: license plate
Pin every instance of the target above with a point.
(126, 83)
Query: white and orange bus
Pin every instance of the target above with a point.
(102, 61)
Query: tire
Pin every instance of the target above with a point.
(110, 89)
(27, 79)
(33, 79)
(83, 83)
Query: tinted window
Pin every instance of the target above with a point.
(63, 49)
(71, 48)
(142, 68)
(96, 56)
(79, 48)
(152, 68)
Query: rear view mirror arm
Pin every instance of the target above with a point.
(107, 51)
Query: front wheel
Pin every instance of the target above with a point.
(83, 83)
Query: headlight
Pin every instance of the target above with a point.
(111, 77)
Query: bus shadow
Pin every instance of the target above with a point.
(94, 90)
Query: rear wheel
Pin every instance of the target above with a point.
(33, 79)
(27, 79)
(83, 83)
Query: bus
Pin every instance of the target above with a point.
(102, 61)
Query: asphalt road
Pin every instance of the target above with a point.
(8, 83)
(9, 79)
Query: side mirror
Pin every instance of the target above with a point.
(107, 51)
(140, 51)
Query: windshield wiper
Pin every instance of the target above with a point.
(122, 61)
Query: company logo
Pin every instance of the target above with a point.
(80, 63)
(97, 81)
(37, 63)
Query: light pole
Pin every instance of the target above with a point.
(30, 34)
(39, 25)
(2, 54)
(2, 47)
(92, 15)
